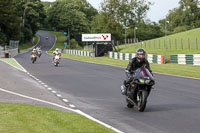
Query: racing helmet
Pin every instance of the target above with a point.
(141, 54)
(34, 51)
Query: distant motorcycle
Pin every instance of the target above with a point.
(33, 58)
(56, 60)
(39, 53)
(139, 89)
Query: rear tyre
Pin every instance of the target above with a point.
(128, 104)
(33, 60)
(142, 100)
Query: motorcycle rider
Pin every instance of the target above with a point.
(34, 52)
(135, 63)
(38, 49)
(56, 52)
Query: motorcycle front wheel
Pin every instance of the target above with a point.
(142, 100)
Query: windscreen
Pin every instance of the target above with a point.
(143, 73)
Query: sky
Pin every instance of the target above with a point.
(157, 11)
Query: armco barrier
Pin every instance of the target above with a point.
(78, 52)
(11, 53)
(2, 54)
(192, 59)
(159, 59)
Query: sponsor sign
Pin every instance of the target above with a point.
(96, 37)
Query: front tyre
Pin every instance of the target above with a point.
(142, 100)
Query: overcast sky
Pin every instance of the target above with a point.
(158, 11)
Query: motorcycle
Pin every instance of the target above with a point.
(139, 89)
(33, 58)
(39, 53)
(56, 60)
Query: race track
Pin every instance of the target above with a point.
(173, 106)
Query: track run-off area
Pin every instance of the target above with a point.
(172, 107)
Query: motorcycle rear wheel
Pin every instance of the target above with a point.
(33, 61)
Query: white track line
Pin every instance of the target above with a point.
(72, 106)
(45, 85)
(58, 95)
(54, 92)
(49, 89)
(65, 100)
(60, 106)
(54, 43)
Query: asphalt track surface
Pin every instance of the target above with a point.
(173, 106)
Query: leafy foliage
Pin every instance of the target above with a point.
(20, 19)
(9, 21)
(183, 18)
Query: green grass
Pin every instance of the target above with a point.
(174, 48)
(12, 62)
(175, 69)
(21, 118)
(23, 47)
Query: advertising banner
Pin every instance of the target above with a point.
(104, 37)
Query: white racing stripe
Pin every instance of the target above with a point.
(53, 91)
(49, 89)
(65, 100)
(72, 106)
(63, 107)
(58, 95)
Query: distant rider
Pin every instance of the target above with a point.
(135, 63)
(38, 49)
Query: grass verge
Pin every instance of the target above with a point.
(23, 47)
(187, 42)
(175, 69)
(12, 62)
(21, 118)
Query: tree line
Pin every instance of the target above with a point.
(21, 19)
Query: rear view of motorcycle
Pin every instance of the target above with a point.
(139, 89)
(39, 53)
(33, 58)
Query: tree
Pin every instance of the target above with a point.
(74, 16)
(104, 24)
(9, 21)
(126, 12)
(32, 14)
(184, 17)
